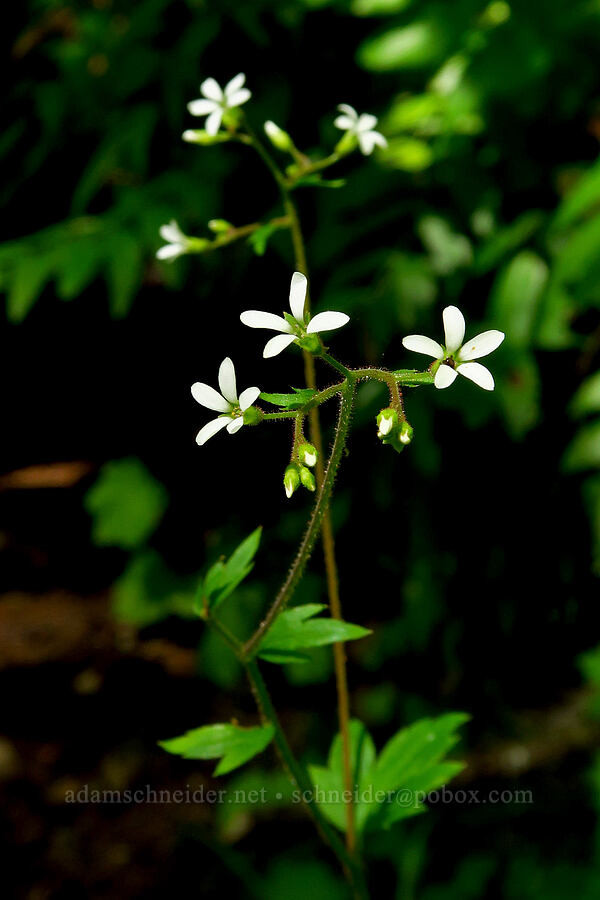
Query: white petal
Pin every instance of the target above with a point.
(298, 296)
(202, 107)
(477, 373)
(248, 397)
(227, 384)
(235, 84)
(444, 377)
(484, 343)
(366, 142)
(349, 111)
(327, 321)
(377, 139)
(238, 98)
(213, 123)
(418, 343)
(208, 397)
(235, 425)
(255, 318)
(172, 233)
(277, 344)
(212, 90)
(345, 123)
(454, 328)
(170, 251)
(211, 428)
(365, 123)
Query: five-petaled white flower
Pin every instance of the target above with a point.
(231, 407)
(217, 101)
(296, 326)
(362, 127)
(177, 242)
(456, 356)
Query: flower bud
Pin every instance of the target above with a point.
(387, 421)
(199, 136)
(278, 137)
(308, 479)
(406, 433)
(253, 415)
(307, 454)
(219, 226)
(291, 479)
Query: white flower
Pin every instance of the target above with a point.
(456, 356)
(177, 242)
(231, 407)
(295, 326)
(361, 127)
(216, 101)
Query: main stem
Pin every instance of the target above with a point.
(352, 869)
(327, 538)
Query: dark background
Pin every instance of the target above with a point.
(471, 555)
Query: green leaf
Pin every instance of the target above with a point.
(126, 504)
(584, 450)
(224, 576)
(447, 249)
(417, 44)
(297, 400)
(587, 397)
(236, 745)
(516, 296)
(329, 780)
(378, 7)
(317, 180)
(507, 239)
(297, 629)
(148, 592)
(408, 154)
(30, 275)
(259, 239)
(580, 199)
(124, 275)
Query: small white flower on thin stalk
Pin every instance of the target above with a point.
(457, 357)
(177, 242)
(362, 127)
(227, 403)
(216, 100)
(295, 326)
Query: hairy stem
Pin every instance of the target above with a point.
(301, 779)
(308, 541)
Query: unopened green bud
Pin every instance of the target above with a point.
(291, 479)
(219, 226)
(308, 479)
(253, 415)
(199, 136)
(278, 137)
(307, 454)
(406, 433)
(387, 421)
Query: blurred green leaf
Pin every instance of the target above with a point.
(296, 629)
(148, 592)
(584, 450)
(587, 397)
(236, 745)
(516, 296)
(409, 46)
(126, 504)
(580, 199)
(447, 249)
(409, 154)
(378, 7)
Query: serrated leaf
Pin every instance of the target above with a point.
(329, 780)
(225, 575)
(126, 504)
(236, 745)
(297, 400)
(297, 629)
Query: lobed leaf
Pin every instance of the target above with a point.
(296, 630)
(236, 745)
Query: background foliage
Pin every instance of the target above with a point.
(474, 556)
